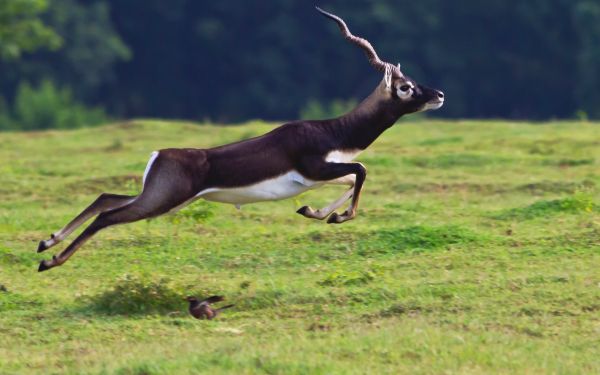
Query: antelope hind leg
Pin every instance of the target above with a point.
(105, 202)
(164, 189)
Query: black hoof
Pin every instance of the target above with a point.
(333, 219)
(43, 267)
(302, 211)
(42, 247)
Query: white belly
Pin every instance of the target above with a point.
(281, 187)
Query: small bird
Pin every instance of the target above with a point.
(203, 310)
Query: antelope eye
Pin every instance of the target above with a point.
(405, 88)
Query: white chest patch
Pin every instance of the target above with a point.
(281, 187)
(342, 156)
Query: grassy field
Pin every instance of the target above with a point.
(476, 250)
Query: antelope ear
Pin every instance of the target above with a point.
(387, 77)
(398, 68)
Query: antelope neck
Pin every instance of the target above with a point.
(362, 126)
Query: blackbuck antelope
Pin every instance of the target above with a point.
(285, 162)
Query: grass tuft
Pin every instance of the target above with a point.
(351, 277)
(416, 239)
(200, 211)
(577, 203)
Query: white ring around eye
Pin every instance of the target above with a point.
(404, 94)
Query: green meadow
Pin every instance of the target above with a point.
(476, 250)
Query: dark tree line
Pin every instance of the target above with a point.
(234, 60)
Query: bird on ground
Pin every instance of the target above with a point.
(201, 309)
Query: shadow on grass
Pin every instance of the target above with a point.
(557, 187)
(134, 295)
(139, 296)
(407, 308)
(11, 258)
(10, 301)
(566, 163)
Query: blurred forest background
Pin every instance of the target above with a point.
(68, 63)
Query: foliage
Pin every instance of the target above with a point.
(314, 110)
(22, 30)
(587, 21)
(91, 51)
(424, 280)
(232, 61)
(49, 107)
(5, 122)
(87, 60)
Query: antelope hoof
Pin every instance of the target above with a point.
(308, 212)
(42, 247)
(336, 218)
(47, 264)
(304, 211)
(43, 267)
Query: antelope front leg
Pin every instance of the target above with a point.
(320, 170)
(350, 213)
(322, 213)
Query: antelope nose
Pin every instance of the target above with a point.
(440, 95)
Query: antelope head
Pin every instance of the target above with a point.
(404, 92)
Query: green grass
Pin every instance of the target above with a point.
(476, 250)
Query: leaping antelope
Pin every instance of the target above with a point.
(289, 160)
